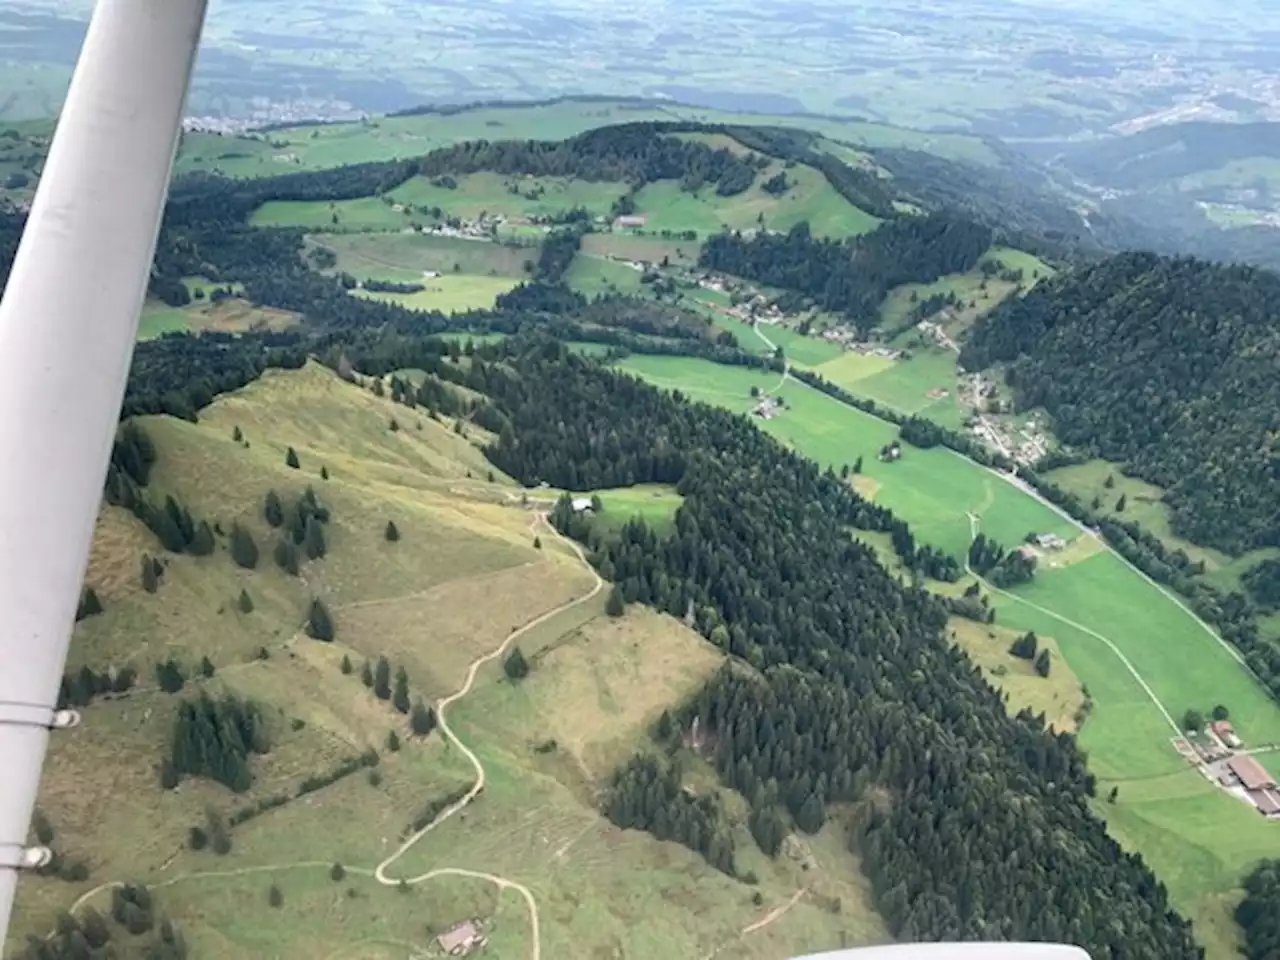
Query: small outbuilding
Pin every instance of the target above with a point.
(581, 505)
(462, 938)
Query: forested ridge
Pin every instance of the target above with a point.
(852, 277)
(988, 832)
(1167, 366)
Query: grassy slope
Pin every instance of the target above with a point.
(1177, 821)
(464, 573)
(452, 293)
(403, 258)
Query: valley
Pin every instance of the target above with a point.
(843, 495)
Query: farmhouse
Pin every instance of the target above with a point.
(1267, 802)
(630, 222)
(767, 408)
(462, 938)
(1049, 541)
(1252, 774)
(581, 504)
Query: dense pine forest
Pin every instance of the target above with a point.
(1259, 912)
(860, 686)
(1167, 366)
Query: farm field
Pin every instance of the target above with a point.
(903, 385)
(229, 316)
(594, 276)
(339, 216)
(515, 196)
(404, 257)
(655, 504)
(811, 199)
(318, 147)
(452, 293)
(641, 247)
(1197, 838)
(462, 573)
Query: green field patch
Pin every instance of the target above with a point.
(595, 276)
(931, 489)
(811, 199)
(851, 368)
(925, 385)
(157, 319)
(405, 257)
(801, 348)
(656, 504)
(514, 196)
(452, 293)
(228, 316)
(334, 216)
(641, 248)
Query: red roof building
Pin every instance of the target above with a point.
(1251, 773)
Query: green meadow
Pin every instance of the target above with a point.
(449, 294)
(516, 196)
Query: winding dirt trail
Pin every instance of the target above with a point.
(380, 872)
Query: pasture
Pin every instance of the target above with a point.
(337, 216)
(641, 248)
(1199, 840)
(655, 504)
(810, 198)
(593, 276)
(925, 384)
(452, 293)
(229, 316)
(404, 257)
(515, 196)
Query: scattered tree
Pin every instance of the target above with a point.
(366, 675)
(392, 533)
(275, 897)
(150, 582)
(273, 509)
(1043, 663)
(382, 679)
(1121, 503)
(393, 742)
(314, 542)
(286, 556)
(207, 668)
(324, 473)
(202, 543)
(337, 873)
(237, 434)
(90, 605)
(1220, 713)
(1114, 795)
(245, 602)
(319, 623)
(243, 550)
(1193, 721)
(1025, 647)
(616, 605)
(291, 459)
(515, 665)
(169, 676)
(41, 827)
(422, 720)
(537, 543)
(346, 665)
(400, 698)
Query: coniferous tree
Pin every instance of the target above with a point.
(515, 665)
(422, 720)
(169, 676)
(324, 473)
(207, 668)
(392, 533)
(382, 679)
(90, 605)
(313, 540)
(1121, 503)
(616, 605)
(150, 582)
(1025, 647)
(337, 872)
(197, 839)
(400, 697)
(275, 897)
(41, 827)
(366, 675)
(202, 543)
(243, 550)
(237, 434)
(319, 623)
(245, 602)
(94, 927)
(537, 543)
(346, 665)
(1042, 663)
(291, 459)
(393, 742)
(286, 556)
(273, 509)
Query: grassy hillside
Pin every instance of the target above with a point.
(464, 574)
